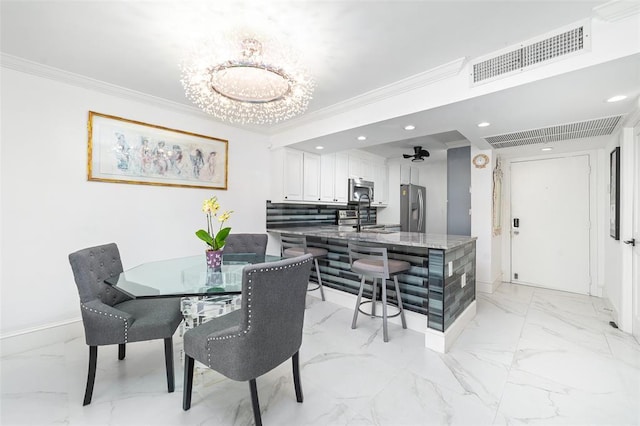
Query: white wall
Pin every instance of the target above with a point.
(488, 246)
(433, 176)
(613, 250)
(617, 255)
(49, 209)
(391, 213)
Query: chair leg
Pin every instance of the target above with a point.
(385, 334)
(188, 382)
(91, 376)
(168, 358)
(122, 351)
(296, 376)
(374, 296)
(319, 279)
(399, 297)
(355, 313)
(257, 418)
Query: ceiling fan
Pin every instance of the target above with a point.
(419, 154)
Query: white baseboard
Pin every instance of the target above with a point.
(32, 338)
(484, 287)
(442, 341)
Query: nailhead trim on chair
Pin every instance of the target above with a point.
(249, 288)
(126, 325)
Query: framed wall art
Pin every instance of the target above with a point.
(614, 193)
(128, 151)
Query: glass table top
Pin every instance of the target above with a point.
(186, 276)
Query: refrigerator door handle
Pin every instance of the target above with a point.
(421, 211)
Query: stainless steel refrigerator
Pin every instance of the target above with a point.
(413, 208)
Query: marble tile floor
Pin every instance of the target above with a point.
(530, 356)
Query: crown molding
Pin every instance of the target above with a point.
(408, 84)
(616, 10)
(45, 71)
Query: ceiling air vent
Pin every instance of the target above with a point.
(538, 51)
(562, 132)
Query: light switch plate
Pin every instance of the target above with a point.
(450, 268)
(463, 280)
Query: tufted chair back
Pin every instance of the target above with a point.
(269, 325)
(246, 243)
(91, 266)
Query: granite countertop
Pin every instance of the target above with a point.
(412, 239)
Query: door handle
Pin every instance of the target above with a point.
(631, 241)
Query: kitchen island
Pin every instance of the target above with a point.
(439, 287)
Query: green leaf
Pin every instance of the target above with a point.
(220, 237)
(204, 236)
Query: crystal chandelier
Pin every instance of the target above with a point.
(247, 80)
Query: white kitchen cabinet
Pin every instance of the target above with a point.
(334, 178)
(381, 182)
(361, 166)
(287, 175)
(327, 181)
(341, 176)
(355, 166)
(409, 175)
(311, 177)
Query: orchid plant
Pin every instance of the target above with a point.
(215, 240)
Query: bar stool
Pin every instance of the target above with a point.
(374, 262)
(293, 245)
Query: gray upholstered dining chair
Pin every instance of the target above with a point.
(255, 339)
(246, 243)
(111, 317)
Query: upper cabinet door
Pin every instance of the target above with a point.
(311, 179)
(341, 188)
(327, 181)
(355, 166)
(381, 182)
(293, 175)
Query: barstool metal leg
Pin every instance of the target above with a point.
(385, 334)
(355, 313)
(374, 296)
(319, 278)
(399, 297)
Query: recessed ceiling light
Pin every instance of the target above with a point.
(319, 147)
(484, 124)
(409, 127)
(617, 98)
(362, 138)
(546, 148)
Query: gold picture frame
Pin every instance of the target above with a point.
(129, 151)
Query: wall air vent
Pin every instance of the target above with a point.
(535, 52)
(563, 132)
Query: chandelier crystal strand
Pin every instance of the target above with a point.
(259, 81)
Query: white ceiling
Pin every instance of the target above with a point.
(351, 47)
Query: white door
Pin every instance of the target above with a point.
(550, 223)
(635, 264)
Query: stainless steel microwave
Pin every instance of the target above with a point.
(360, 190)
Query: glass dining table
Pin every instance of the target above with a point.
(186, 276)
(205, 293)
